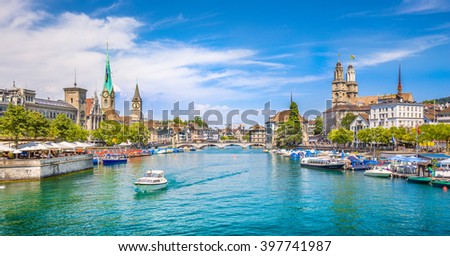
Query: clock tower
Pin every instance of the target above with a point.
(136, 105)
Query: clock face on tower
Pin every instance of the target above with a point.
(112, 94)
(136, 105)
(105, 94)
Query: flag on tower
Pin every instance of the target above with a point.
(352, 57)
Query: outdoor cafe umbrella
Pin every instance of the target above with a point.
(67, 145)
(82, 145)
(16, 152)
(33, 146)
(4, 148)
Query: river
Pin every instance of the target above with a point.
(229, 192)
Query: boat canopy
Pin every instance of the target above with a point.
(446, 161)
(154, 173)
(398, 158)
(354, 159)
(415, 159)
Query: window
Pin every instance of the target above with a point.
(71, 100)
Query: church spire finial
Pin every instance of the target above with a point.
(399, 85)
(75, 78)
(291, 97)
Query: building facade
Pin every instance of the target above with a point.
(76, 97)
(397, 114)
(27, 98)
(443, 116)
(360, 122)
(93, 113)
(257, 134)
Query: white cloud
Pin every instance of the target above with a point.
(402, 49)
(41, 50)
(423, 6)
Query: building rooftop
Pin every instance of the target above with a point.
(370, 100)
(55, 103)
(348, 107)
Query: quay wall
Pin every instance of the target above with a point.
(35, 169)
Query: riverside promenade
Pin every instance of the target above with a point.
(35, 169)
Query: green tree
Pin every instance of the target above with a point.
(138, 133)
(347, 120)
(341, 136)
(289, 134)
(14, 122)
(38, 125)
(111, 132)
(443, 133)
(177, 120)
(381, 135)
(365, 136)
(199, 122)
(61, 127)
(77, 134)
(318, 125)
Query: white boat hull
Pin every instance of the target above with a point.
(442, 174)
(378, 173)
(149, 187)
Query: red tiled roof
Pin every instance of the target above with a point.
(88, 106)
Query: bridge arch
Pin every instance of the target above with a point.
(219, 145)
(256, 144)
(210, 145)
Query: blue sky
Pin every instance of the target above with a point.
(226, 54)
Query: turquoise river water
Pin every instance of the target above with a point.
(222, 192)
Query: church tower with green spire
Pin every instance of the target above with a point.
(108, 95)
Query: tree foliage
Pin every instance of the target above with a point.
(113, 132)
(318, 125)
(38, 126)
(341, 136)
(14, 122)
(289, 134)
(17, 123)
(347, 120)
(63, 129)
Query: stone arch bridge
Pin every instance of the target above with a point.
(218, 144)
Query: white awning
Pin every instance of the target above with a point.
(4, 148)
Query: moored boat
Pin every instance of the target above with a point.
(440, 183)
(322, 163)
(419, 179)
(379, 171)
(114, 159)
(355, 164)
(153, 180)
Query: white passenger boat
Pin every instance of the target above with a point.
(153, 180)
(322, 163)
(379, 171)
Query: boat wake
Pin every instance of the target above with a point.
(223, 176)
